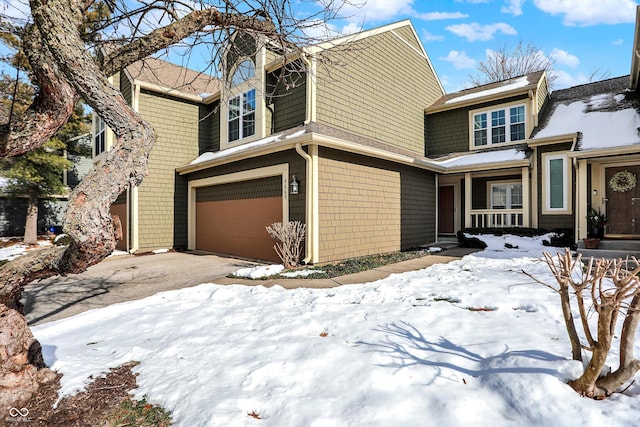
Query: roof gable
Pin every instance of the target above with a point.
(492, 91)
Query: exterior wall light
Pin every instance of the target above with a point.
(294, 185)
(595, 192)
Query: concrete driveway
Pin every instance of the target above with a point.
(119, 279)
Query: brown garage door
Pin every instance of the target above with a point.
(231, 218)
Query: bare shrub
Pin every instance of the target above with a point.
(288, 236)
(612, 287)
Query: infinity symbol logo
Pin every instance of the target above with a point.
(15, 412)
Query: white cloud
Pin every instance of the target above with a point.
(475, 31)
(428, 37)
(617, 42)
(438, 16)
(563, 57)
(374, 10)
(590, 12)
(459, 60)
(564, 79)
(513, 7)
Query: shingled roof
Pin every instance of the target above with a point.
(604, 114)
(173, 77)
(521, 84)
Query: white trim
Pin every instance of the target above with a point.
(566, 185)
(491, 184)
(275, 170)
(500, 107)
(444, 182)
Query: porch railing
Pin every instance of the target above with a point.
(497, 218)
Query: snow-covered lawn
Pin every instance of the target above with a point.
(409, 350)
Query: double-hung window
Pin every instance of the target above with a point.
(499, 126)
(242, 116)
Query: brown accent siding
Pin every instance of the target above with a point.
(162, 197)
(378, 88)
(297, 167)
(448, 131)
(254, 189)
(479, 189)
(237, 227)
(369, 206)
(205, 134)
(288, 99)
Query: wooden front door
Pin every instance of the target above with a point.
(623, 200)
(446, 210)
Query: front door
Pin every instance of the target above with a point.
(623, 200)
(446, 210)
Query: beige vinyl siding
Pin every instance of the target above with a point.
(407, 35)
(542, 95)
(162, 201)
(367, 206)
(126, 88)
(378, 88)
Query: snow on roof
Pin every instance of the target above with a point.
(516, 84)
(208, 156)
(601, 119)
(4, 182)
(486, 157)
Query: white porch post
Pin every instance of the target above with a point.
(467, 199)
(526, 194)
(581, 200)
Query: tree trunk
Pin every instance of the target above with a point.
(586, 384)
(31, 224)
(629, 366)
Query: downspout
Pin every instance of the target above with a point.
(132, 224)
(310, 172)
(309, 203)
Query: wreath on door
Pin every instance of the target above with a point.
(623, 181)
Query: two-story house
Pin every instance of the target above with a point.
(356, 139)
(337, 143)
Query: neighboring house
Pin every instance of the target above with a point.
(13, 208)
(363, 146)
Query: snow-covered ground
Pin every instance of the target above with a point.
(404, 351)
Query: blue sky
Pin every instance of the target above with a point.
(581, 35)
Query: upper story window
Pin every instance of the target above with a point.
(246, 70)
(99, 139)
(499, 126)
(242, 116)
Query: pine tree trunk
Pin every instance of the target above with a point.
(31, 224)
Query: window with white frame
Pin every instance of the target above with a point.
(242, 116)
(499, 126)
(506, 195)
(556, 183)
(99, 140)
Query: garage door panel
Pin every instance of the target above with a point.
(237, 227)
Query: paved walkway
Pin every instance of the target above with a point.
(361, 277)
(127, 278)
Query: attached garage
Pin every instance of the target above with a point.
(230, 214)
